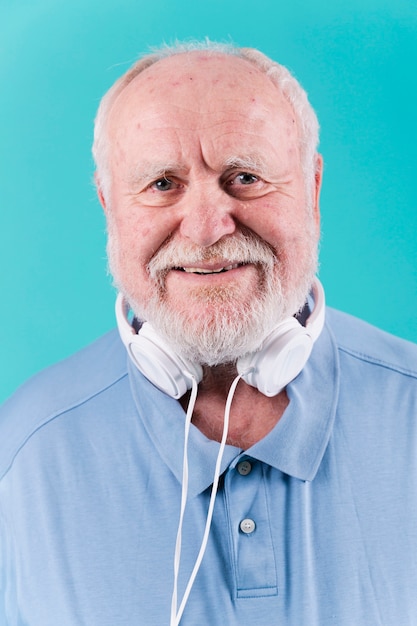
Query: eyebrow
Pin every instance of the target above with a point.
(147, 171)
(253, 162)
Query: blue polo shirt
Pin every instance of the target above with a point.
(314, 525)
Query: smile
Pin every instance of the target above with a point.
(202, 270)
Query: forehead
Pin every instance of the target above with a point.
(215, 98)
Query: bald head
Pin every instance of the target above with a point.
(247, 66)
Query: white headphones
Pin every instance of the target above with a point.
(279, 360)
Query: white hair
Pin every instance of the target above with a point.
(290, 88)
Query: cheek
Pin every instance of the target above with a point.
(278, 223)
(139, 236)
(268, 223)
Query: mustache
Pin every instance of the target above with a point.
(242, 248)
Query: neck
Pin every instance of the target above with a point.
(252, 414)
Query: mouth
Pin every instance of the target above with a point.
(209, 270)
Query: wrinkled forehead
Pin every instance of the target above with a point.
(201, 81)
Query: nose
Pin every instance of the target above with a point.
(208, 217)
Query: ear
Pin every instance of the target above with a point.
(318, 177)
(100, 193)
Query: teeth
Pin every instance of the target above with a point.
(200, 270)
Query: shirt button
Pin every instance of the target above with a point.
(247, 526)
(244, 468)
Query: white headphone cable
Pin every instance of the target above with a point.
(184, 492)
(176, 616)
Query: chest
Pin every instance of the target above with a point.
(336, 550)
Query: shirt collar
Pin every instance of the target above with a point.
(295, 446)
(297, 443)
(164, 418)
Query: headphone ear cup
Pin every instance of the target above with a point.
(159, 364)
(154, 358)
(281, 358)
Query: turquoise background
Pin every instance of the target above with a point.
(358, 62)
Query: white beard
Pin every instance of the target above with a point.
(229, 329)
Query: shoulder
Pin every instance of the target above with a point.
(59, 389)
(362, 341)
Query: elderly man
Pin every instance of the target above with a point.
(242, 459)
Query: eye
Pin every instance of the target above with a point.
(162, 184)
(247, 179)
(243, 178)
(244, 185)
(162, 191)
